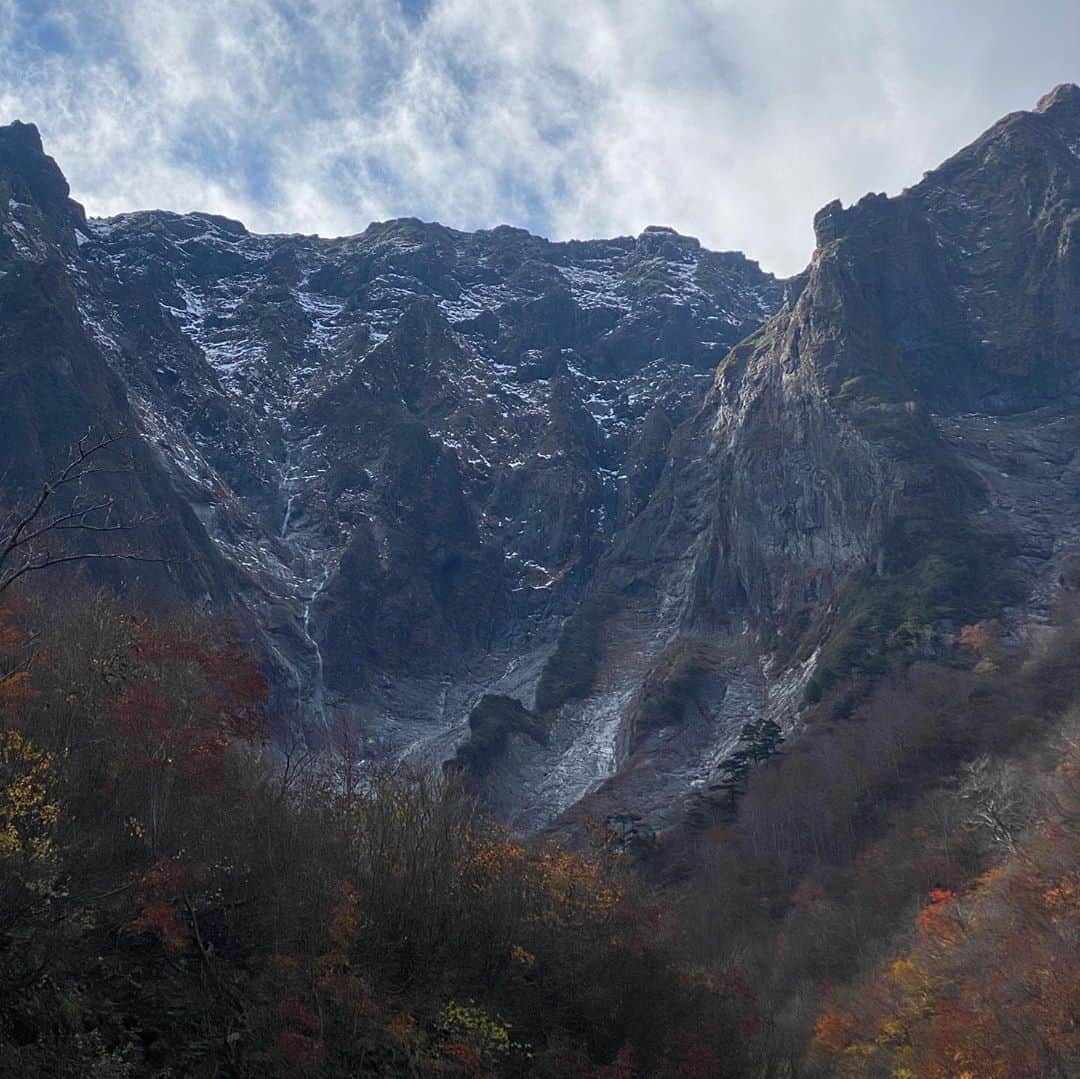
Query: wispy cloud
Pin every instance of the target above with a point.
(732, 121)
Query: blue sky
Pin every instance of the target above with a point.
(731, 121)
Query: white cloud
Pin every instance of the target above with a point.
(733, 121)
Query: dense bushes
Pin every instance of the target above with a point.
(894, 890)
(986, 979)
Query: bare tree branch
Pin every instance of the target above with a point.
(24, 538)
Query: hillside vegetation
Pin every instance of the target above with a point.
(177, 900)
(894, 894)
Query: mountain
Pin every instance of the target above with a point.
(892, 455)
(402, 453)
(612, 499)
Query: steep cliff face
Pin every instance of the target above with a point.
(57, 386)
(893, 454)
(626, 494)
(406, 450)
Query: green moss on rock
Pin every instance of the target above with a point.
(571, 671)
(935, 569)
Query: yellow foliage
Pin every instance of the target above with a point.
(487, 1035)
(573, 887)
(496, 859)
(522, 956)
(565, 886)
(28, 815)
(345, 920)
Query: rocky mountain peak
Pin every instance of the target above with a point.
(1064, 98)
(909, 405)
(19, 139)
(27, 169)
(36, 213)
(404, 452)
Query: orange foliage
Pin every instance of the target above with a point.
(15, 689)
(976, 637)
(961, 1041)
(990, 987)
(11, 636)
(463, 1054)
(1062, 898)
(938, 921)
(835, 1030)
(159, 919)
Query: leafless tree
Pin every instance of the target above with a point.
(38, 534)
(298, 759)
(1000, 800)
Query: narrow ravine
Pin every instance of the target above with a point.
(307, 557)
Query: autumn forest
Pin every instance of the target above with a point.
(896, 895)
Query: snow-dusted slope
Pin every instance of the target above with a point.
(412, 444)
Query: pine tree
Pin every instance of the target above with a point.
(760, 741)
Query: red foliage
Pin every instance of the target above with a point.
(622, 1067)
(835, 1030)
(15, 687)
(462, 1053)
(11, 636)
(300, 1051)
(977, 637)
(744, 1000)
(161, 886)
(691, 1059)
(237, 689)
(159, 919)
(937, 922)
(962, 1041)
(295, 1011)
(194, 697)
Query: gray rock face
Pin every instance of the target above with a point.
(912, 403)
(56, 385)
(637, 486)
(406, 450)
